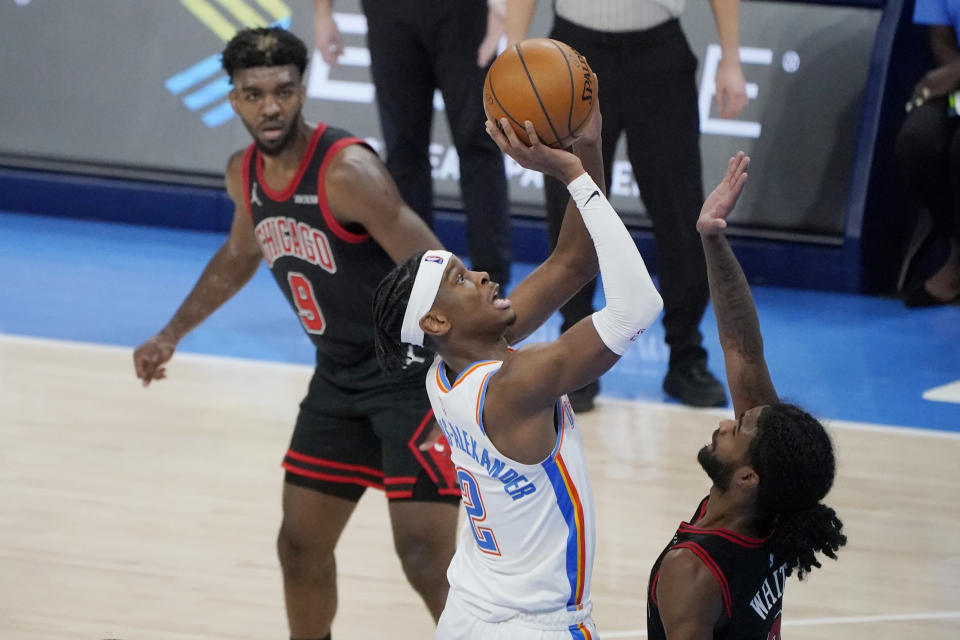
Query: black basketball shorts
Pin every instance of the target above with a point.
(345, 441)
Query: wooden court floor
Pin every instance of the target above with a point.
(151, 513)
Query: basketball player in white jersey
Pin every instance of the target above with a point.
(524, 559)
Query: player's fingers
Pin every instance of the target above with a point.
(500, 137)
(531, 133)
(143, 365)
(742, 102)
(511, 135)
(137, 366)
(731, 167)
(494, 132)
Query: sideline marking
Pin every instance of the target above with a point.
(949, 392)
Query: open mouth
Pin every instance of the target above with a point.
(498, 302)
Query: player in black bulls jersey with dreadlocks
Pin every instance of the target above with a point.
(723, 574)
(320, 208)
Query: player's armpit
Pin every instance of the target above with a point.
(535, 376)
(688, 597)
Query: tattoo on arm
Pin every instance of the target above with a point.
(737, 319)
(738, 326)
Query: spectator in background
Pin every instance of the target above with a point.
(640, 53)
(417, 46)
(928, 148)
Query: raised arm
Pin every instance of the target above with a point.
(530, 382)
(737, 321)
(231, 267)
(573, 262)
(361, 191)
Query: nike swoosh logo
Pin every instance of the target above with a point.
(595, 193)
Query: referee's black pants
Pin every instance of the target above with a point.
(648, 89)
(928, 157)
(417, 46)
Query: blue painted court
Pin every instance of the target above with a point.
(845, 357)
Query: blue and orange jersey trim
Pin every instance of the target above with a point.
(568, 500)
(481, 394)
(580, 632)
(444, 383)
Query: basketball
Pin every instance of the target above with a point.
(544, 81)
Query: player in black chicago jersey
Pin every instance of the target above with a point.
(320, 208)
(723, 574)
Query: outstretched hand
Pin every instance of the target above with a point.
(558, 163)
(723, 198)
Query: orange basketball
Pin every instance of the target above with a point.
(544, 81)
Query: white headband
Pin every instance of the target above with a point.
(425, 287)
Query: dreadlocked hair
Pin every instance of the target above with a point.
(389, 304)
(793, 455)
(263, 47)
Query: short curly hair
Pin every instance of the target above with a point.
(263, 47)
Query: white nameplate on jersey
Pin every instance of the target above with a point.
(515, 484)
(280, 236)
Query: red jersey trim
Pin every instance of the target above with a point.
(653, 589)
(316, 475)
(280, 196)
(714, 569)
(246, 179)
(750, 543)
(335, 226)
(335, 465)
(702, 509)
(732, 536)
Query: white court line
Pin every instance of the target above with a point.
(179, 355)
(287, 366)
(837, 424)
(812, 622)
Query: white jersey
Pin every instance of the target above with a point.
(528, 541)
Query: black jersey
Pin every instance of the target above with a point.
(750, 580)
(327, 271)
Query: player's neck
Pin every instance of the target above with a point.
(459, 358)
(727, 510)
